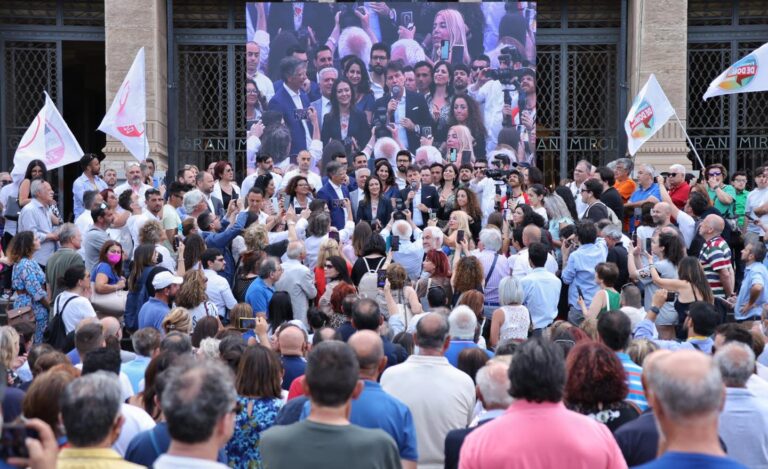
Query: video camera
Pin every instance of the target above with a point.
(506, 76)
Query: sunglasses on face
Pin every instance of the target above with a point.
(715, 173)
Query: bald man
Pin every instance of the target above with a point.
(292, 345)
(519, 264)
(715, 257)
(676, 185)
(687, 394)
(639, 438)
(661, 214)
(374, 408)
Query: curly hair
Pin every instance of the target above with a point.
(177, 319)
(151, 233)
(595, 376)
(256, 238)
(341, 291)
(473, 205)
(290, 189)
(397, 276)
(22, 246)
(469, 274)
(474, 116)
(192, 291)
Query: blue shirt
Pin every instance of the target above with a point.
(455, 348)
(148, 445)
(754, 274)
(258, 295)
(646, 329)
(743, 426)
(541, 294)
(579, 272)
(134, 370)
(374, 408)
(106, 269)
(294, 367)
(152, 314)
(678, 460)
(637, 196)
(634, 374)
(79, 187)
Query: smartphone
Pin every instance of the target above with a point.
(247, 323)
(466, 157)
(634, 239)
(333, 235)
(300, 114)
(581, 293)
(432, 215)
(176, 243)
(444, 49)
(453, 155)
(12, 443)
(406, 19)
(457, 55)
(671, 296)
(393, 200)
(395, 243)
(426, 131)
(381, 278)
(459, 236)
(648, 245)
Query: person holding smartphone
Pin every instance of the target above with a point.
(420, 200)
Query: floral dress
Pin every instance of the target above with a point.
(243, 449)
(28, 280)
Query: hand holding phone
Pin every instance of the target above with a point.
(395, 243)
(453, 154)
(381, 278)
(334, 235)
(581, 293)
(459, 236)
(444, 49)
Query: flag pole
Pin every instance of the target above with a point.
(698, 158)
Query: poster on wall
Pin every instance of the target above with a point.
(450, 82)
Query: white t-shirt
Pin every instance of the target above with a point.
(77, 309)
(166, 461)
(136, 421)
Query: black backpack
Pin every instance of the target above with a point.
(55, 334)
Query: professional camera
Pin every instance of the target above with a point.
(498, 174)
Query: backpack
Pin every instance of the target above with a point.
(368, 286)
(611, 214)
(55, 334)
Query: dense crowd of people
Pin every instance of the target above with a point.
(393, 284)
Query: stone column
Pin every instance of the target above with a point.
(128, 27)
(657, 42)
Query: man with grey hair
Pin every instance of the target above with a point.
(647, 191)
(353, 40)
(463, 329)
(260, 291)
(492, 385)
(622, 170)
(617, 251)
(677, 187)
(432, 238)
(297, 280)
(744, 419)
(195, 203)
(361, 177)
(90, 412)
(198, 404)
(322, 106)
(408, 51)
(495, 267)
(36, 217)
(146, 344)
(134, 182)
(581, 173)
(410, 252)
(291, 97)
(686, 394)
(336, 194)
(440, 397)
(386, 147)
(70, 240)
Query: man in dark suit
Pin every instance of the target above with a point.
(290, 97)
(407, 110)
(300, 53)
(492, 385)
(336, 194)
(419, 199)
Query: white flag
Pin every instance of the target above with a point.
(128, 113)
(649, 112)
(48, 139)
(748, 74)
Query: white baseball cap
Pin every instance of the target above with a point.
(164, 279)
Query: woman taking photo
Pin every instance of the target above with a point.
(668, 251)
(73, 303)
(436, 272)
(467, 202)
(374, 208)
(345, 122)
(299, 193)
(459, 138)
(225, 188)
(459, 221)
(258, 383)
(336, 271)
(28, 280)
(387, 178)
(465, 111)
(192, 296)
(109, 297)
(357, 74)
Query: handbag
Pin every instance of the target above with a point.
(20, 315)
(12, 209)
(110, 304)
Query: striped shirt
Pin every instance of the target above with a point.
(634, 372)
(715, 256)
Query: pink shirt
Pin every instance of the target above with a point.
(530, 434)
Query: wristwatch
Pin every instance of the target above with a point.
(655, 310)
(417, 129)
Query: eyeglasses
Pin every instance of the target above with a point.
(329, 266)
(378, 58)
(479, 168)
(714, 173)
(474, 69)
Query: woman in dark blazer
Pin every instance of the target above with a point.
(345, 122)
(374, 208)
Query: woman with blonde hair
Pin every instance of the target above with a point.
(328, 247)
(459, 220)
(177, 320)
(449, 25)
(402, 303)
(9, 349)
(193, 297)
(460, 138)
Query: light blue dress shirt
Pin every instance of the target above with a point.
(541, 291)
(754, 274)
(743, 426)
(81, 185)
(580, 271)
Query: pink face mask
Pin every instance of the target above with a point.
(114, 257)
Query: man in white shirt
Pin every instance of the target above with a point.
(304, 161)
(264, 165)
(519, 264)
(85, 220)
(441, 397)
(217, 287)
(581, 173)
(326, 77)
(409, 254)
(485, 188)
(757, 203)
(252, 57)
(490, 96)
(134, 183)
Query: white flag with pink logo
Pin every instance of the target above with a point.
(649, 112)
(48, 138)
(127, 115)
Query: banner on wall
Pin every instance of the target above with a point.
(492, 44)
